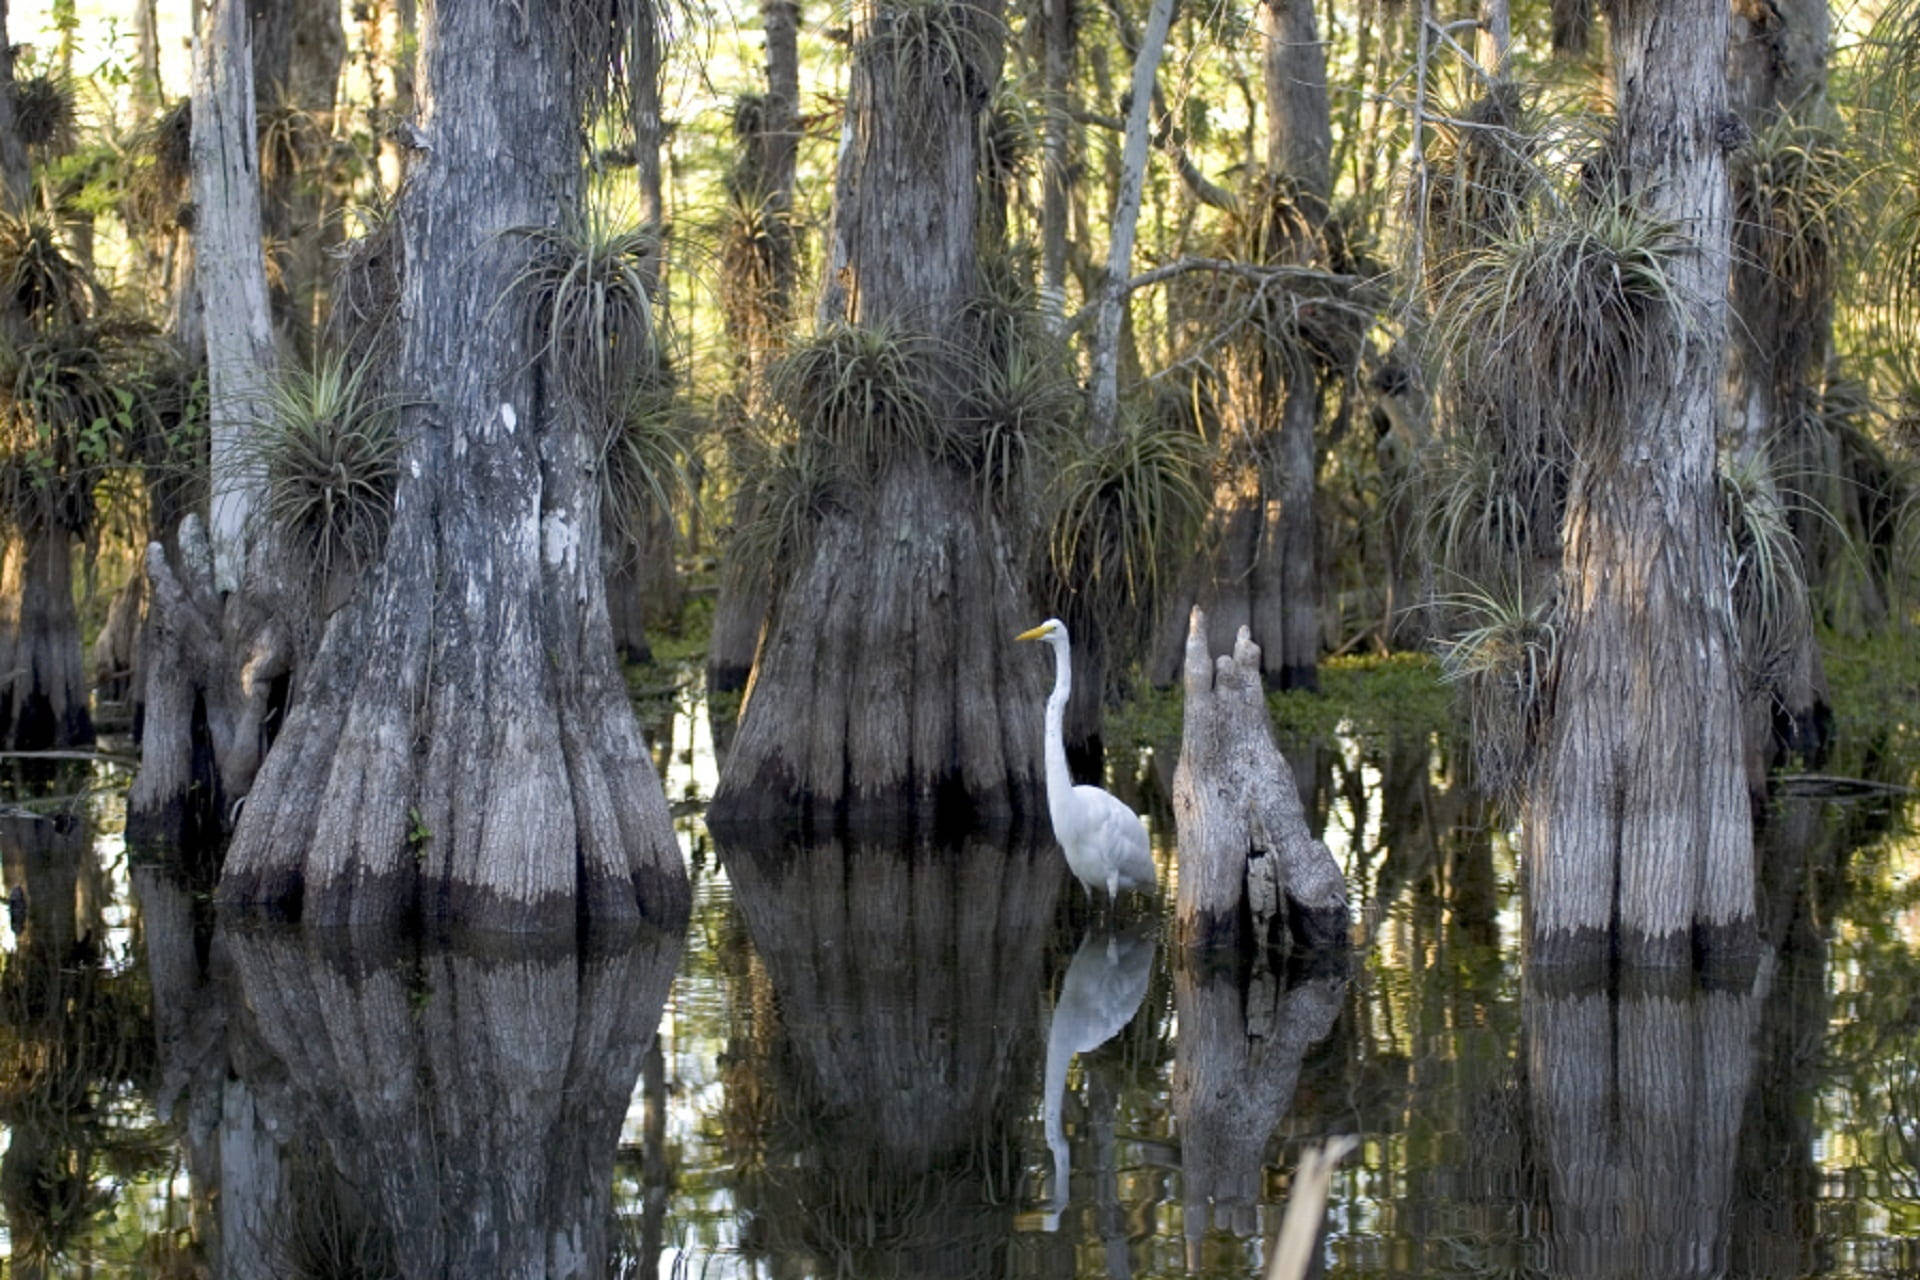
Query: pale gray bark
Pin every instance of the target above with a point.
(1103, 356)
(1493, 46)
(1246, 855)
(221, 655)
(462, 743)
(231, 276)
(1638, 834)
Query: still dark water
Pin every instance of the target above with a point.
(877, 1062)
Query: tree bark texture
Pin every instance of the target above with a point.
(1636, 1106)
(1103, 357)
(889, 680)
(462, 743)
(43, 684)
(907, 982)
(1248, 864)
(1782, 332)
(231, 275)
(1638, 834)
(769, 156)
(213, 673)
(474, 1099)
(1236, 1066)
(1056, 62)
(16, 175)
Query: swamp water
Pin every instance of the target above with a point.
(870, 1062)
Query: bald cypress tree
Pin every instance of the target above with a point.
(461, 744)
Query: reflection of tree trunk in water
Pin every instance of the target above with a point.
(189, 1029)
(1236, 1063)
(43, 687)
(1802, 850)
(906, 980)
(59, 1059)
(475, 1101)
(1637, 1097)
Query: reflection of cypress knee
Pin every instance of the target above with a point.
(1237, 1062)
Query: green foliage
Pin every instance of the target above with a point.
(862, 395)
(67, 414)
(1570, 310)
(759, 259)
(1123, 510)
(40, 279)
(42, 108)
(329, 454)
(585, 298)
(1769, 589)
(643, 459)
(1502, 652)
(1377, 698)
(930, 43)
(1792, 183)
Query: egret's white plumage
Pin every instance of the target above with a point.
(1105, 844)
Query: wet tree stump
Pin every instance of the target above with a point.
(1246, 855)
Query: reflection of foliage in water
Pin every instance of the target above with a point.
(76, 1058)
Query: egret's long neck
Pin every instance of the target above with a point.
(1059, 781)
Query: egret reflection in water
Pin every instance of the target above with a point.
(1103, 988)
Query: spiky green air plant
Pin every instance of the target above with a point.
(366, 286)
(1565, 311)
(1502, 654)
(329, 456)
(643, 458)
(1012, 413)
(1769, 597)
(791, 485)
(1491, 500)
(759, 251)
(863, 394)
(42, 108)
(42, 282)
(156, 187)
(931, 42)
(584, 293)
(1482, 174)
(1793, 184)
(65, 417)
(1123, 510)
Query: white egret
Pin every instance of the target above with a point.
(1105, 844)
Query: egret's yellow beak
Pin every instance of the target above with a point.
(1034, 634)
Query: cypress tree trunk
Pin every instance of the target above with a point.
(43, 686)
(211, 652)
(462, 744)
(1781, 339)
(769, 153)
(889, 679)
(1638, 833)
(1284, 586)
